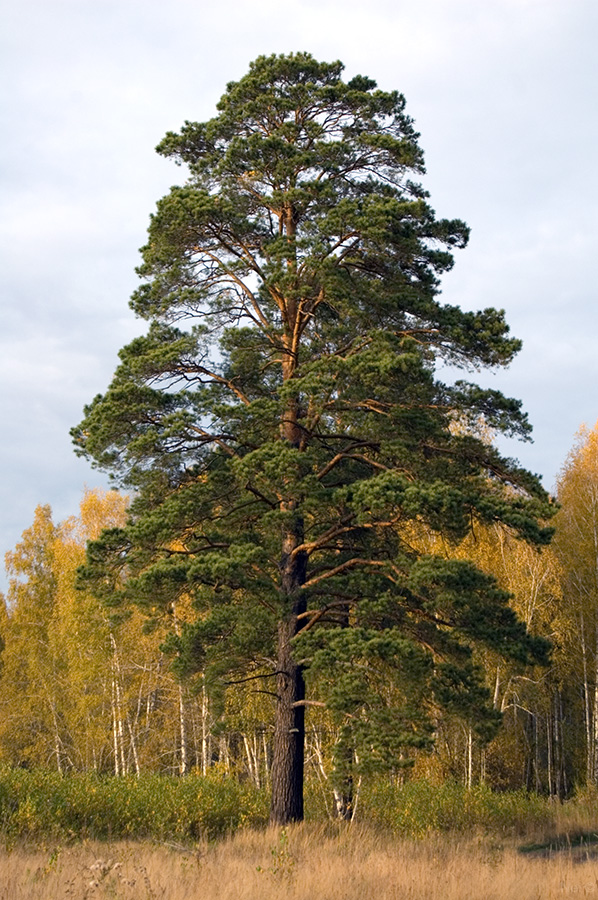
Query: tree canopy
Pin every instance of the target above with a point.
(286, 434)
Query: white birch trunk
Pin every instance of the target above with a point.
(469, 758)
(115, 727)
(183, 765)
(549, 752)
(586, 697)
(205, 748)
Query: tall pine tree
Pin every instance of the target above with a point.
(284, 429)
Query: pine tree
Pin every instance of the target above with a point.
(282, 421)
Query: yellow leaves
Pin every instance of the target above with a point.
(30, 559)
(576, 538)
(98, 510)
(578, 491)
(55, 636)
(532, 576)
(77, 616)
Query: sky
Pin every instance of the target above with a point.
(503, 93)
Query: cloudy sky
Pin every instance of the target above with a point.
(503, 92)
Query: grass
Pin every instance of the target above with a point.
(305, 862)
(158, 838)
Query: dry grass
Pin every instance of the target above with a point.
(302, 863)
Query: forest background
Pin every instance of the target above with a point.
(82, 690)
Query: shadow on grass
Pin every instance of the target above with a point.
(581, 845)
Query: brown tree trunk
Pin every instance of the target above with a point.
(289, 739)
(289, 729)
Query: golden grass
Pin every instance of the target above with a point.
(301, 863)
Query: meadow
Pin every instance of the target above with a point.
(306, 862)
(159, 838)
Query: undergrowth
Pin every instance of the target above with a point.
(38, 804)
(419, 808)
(41, 805)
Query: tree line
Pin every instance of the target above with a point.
(85, 687)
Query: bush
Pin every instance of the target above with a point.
(420, 807)
(38, 804)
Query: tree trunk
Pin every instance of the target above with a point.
(549, 769)
(56, 739)
(587, 711)
(223, 753)
(205, 748)
(117, 771)
(289, 729)
(469, 762)
(538, 782)
(183, 765)
(289, 732)
(119, 735)
(253, 761)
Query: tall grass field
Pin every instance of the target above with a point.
(156, 837)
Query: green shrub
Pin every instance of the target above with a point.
(420, 807)
(37, 804)
(43, 805)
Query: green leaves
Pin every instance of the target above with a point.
(473, 604)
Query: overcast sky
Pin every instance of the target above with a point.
(503, 92)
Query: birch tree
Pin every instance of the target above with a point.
(576, 546)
